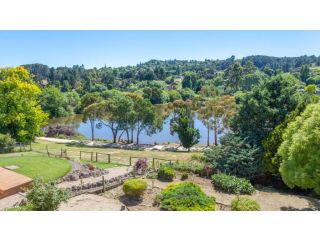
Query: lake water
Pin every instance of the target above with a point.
(164, 136)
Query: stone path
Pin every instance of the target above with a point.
(92, 202)
(11, 201)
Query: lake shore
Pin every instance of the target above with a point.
(172, 147)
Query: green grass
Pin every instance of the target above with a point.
(37, 166)
(117, 155)
(103, 165)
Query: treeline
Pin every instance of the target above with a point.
(73, 77)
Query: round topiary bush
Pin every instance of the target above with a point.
(134, 188)
(244, 204)
(186, 196)
(166, 173)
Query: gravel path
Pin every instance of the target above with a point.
(56, 140)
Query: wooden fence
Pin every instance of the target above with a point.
(104, 157)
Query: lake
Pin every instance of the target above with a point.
(164, 136)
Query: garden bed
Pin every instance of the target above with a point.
(269, 199)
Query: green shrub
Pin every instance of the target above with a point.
(184, 176)
(232, 184)
(244, 204)
(190, 167)
(166, 173)
(134, 188)
(46, 196)
(7, 143)
(186, 196)
(198, 157)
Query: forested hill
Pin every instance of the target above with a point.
(160, 70)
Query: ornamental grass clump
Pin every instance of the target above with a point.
(186, 196)
(232, 184)
(244, 204)
(134, 188)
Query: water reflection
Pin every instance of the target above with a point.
(163, 136)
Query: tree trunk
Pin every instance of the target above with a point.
(120, 136)
(138, 132)
(92, 129)
(128, 137)
(208, 140)
(215, 131)
(131, 135)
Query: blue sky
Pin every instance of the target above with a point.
(121, 48)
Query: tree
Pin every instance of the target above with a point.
(271, 160)
(235, 157)
(304, 73)
(144, 116)
(234, 75)
(154, 94)
(300, 151)
(216, 113)
(20, 112)
(189, 80)
(116, 113)
(53, 102)
(187, 134)
(91, 113)
(264, 107)
(91, 109)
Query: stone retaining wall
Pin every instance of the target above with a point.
(96, 187)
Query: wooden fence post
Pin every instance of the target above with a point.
(96, 157)
(80, 155)
(153, 163)
(20, 147)
(47, 150)
(61, 153)
(130, 163)
(109, 158)
(91, 156)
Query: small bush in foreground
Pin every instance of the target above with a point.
(134, 188)
(184, 176)
(232, 184)
(186, 196)
(7, 143)
(46, 196)
(244, 204)
(166, 173)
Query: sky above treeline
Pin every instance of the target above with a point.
(122, 48)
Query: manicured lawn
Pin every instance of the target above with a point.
(37, 166)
